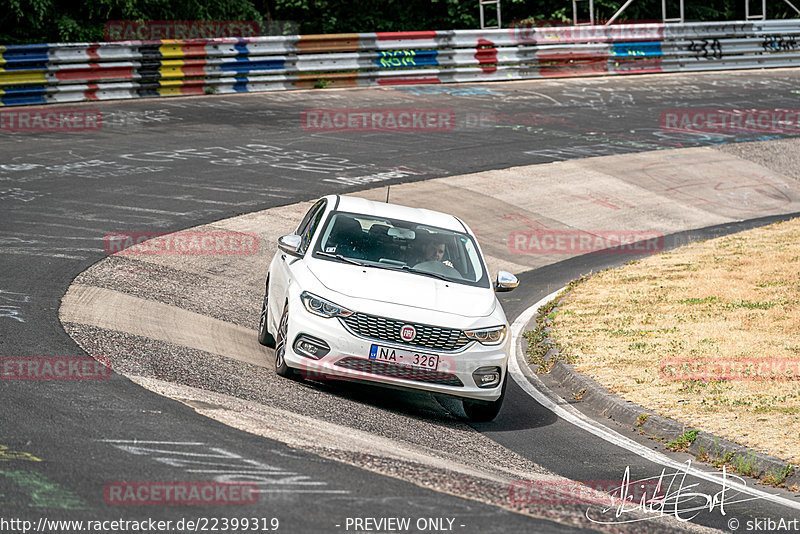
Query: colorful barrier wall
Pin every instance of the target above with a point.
(73, 72)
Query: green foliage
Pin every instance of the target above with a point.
(777, 478)
(325, 16)
(745, 465)
(682, 442)
(38, 21)
(539, 343)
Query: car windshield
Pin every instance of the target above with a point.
(402, 245)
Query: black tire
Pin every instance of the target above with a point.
(280, 346)
(482, 412)
(264, 337)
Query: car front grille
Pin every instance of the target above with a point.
(399, 371)
(384, 329)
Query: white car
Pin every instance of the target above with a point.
(390, 295)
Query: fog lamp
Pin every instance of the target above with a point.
(487, 377)
(310, 347)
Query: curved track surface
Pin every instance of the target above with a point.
(166, 165)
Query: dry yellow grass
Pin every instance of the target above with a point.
(731, 298)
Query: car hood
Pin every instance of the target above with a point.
(403, 288)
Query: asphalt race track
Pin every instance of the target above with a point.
(169, 164)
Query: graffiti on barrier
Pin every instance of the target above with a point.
(706, 48)
(778, 43)
(397, 58)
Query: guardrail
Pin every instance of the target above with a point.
(73, 72)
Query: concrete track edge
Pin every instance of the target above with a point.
(476, 184)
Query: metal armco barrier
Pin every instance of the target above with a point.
(74, 72)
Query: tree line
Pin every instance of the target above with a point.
(40, 21)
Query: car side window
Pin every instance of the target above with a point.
(310, 226)
(301, 228)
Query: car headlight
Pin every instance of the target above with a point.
(323, 307)
(487, 336)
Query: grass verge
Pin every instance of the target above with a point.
(707, 334)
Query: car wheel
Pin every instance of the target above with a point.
(481, 412)
(264, 337)
(280, 346)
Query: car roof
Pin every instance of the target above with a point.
(396, 211)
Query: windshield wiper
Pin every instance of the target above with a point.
(387, 267)
(426, 273)
(341, 258)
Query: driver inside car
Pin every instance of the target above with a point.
(433, 250)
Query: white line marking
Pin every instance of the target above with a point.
(130, 208)
(556, 102)
(570, 414)
(145, 442)
(342, 492)
(46, 254)
(48, 236)
(243, 472)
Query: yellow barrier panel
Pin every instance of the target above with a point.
(15, 77)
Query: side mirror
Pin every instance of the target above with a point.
(505, 282)
(290, 244)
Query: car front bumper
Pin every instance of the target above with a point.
(348, 359)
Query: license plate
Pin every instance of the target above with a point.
(408, 358)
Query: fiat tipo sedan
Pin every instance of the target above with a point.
(391, 295)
